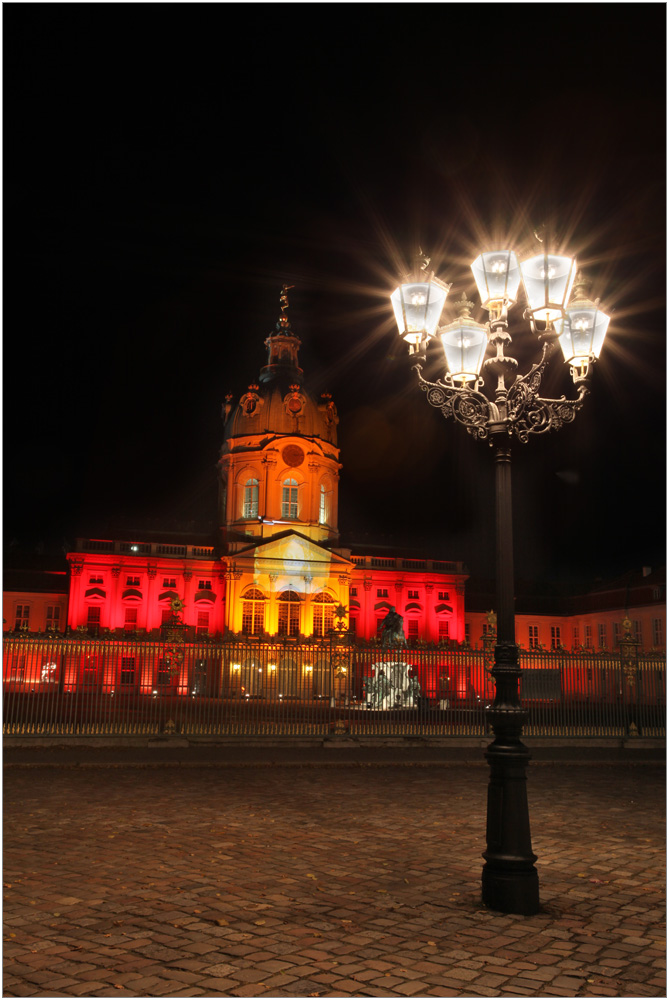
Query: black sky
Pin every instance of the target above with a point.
(168, 167)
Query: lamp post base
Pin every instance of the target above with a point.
(510, 883)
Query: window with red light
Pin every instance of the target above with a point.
(555, 637)
(93, 617)
(443, 595)
(132, 581)
(412, 595)
(130, 622)
(382, 593)
(533, 636)
(204, 584)
(444, 630)
(170, 583)
(128, 670)
(202, 622)
(22, 617)
(53, 618)
(412, 628)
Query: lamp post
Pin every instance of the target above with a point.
(511, 407)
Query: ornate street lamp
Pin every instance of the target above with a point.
(511, 407)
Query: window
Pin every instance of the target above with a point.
(165, 616)
(164, 673)
(601, 636)
(289, 613)
(379, 625)
(127, 670)
(555, 637)
(22, 616)
(588, 636)
(289, 499)
(353, 624)
(637, 631)
(322, 506)
(323, 610)
(253, 612)
(204, 584)
(616, 634)
(413, 595)
(353, 592)
(202, 626)
(169, 583)
(658, 632)
(444, 631)
(382, 593)
(132, 581)
(93, 618)
(467, 632)
(575, 637)
(53, 618)
(412, 628)
(533, 636)
(95, 579)
(130, 622)
(250, 508)
(443, 595)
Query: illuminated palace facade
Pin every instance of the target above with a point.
(277, 568)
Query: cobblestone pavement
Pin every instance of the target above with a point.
(314, 881)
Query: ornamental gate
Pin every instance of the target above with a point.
(79, 685)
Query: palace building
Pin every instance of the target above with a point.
(276, 567)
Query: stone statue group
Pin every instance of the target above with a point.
(391, 686)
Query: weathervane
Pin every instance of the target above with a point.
(283, 298)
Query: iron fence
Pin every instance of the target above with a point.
(131, 685)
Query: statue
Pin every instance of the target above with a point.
(393, 630)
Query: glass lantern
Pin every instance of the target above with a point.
(548, 280)
(464, 342)
(418, 306)
(497, 275)
(584, 329)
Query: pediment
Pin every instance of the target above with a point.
(290, 547)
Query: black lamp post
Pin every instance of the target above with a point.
(513, 408)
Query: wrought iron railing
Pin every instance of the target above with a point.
(133, 685)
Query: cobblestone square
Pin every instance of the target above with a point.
(346, 880)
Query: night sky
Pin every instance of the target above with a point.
(168, 167)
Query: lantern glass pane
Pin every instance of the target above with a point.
(497, 275)
(464, 347)
(584, 332)
(418, 307)
(548, 279)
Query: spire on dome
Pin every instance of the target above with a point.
(282, 345)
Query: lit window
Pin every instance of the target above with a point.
(130, 623)
(444, 632)
(289, 499)
(533, 636)
(93, 618)
(555, 637)
(132, 581)
(164, 673)
(443, 595)
(322, 506)
(22, 616)
(52, 618)
(204, 585)
(323, 609)
(250, 508)
(601, 636)
(412, 628)
(289, 613)
(202, 623)
(253, 612)
(169, 583)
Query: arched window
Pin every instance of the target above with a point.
(323, 608)
(289, 613)
(323, 506)
(253, 612)
(250, 507)
(289, 499)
